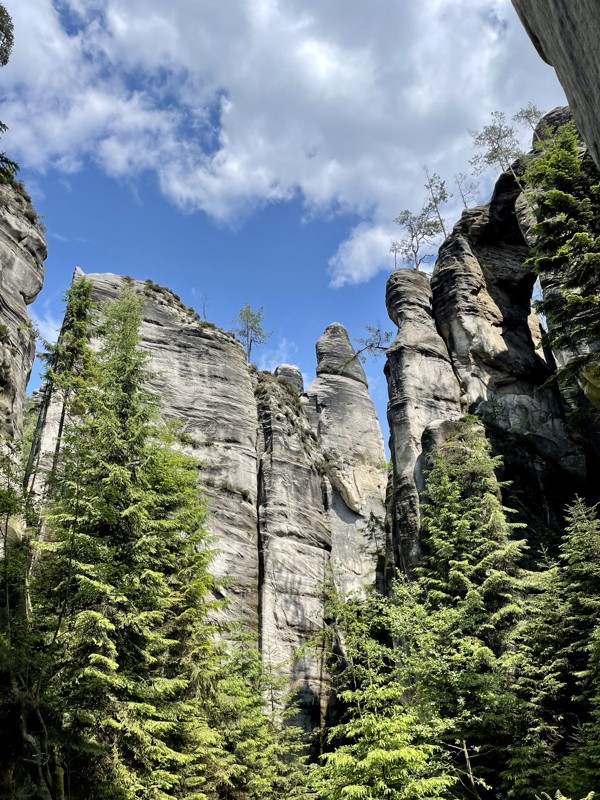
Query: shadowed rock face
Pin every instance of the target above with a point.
(482, 306)
(422, 388)
(22, 254)
(291, 479)
(566, 35)
(471, 343)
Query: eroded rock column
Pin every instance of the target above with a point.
(422, 388)
(345, 423)
(22, 254)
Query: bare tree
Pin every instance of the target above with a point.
(421, 229)
(395, 249)
(204, 303)
(467, 188)
(438, 195)
(498, 144)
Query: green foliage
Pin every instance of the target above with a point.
(260, 753)
(118, 600)
(249, 328)
(530, 115)
(566, 203)
(425, 673)
(438, 195)
(112, 682)
(6, 36)
(382, 748)
(70, 365)
(8, 168)
(467, 188)
(375, 343)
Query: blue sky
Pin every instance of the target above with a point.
(253, 150)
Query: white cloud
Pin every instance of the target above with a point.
(46, 323)
(236, 104)
(280, 353)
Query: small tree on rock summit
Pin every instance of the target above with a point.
(248, 327)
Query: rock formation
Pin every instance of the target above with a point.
(477, 349)
(22, 254)
(422, 388)
(293, 481)
(345, 424)
(566, 36)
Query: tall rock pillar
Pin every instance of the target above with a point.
(422, 389)
(22, 254)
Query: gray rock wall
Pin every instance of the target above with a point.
(22, 254)
(293, 480)
(423, 389)
(566, 35)
(344, 421)
(471, 344)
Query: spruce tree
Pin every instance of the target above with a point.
(426, 672)
(385, 746)
(472, 584)
(566, 254)
(261, 754)
(119, 594)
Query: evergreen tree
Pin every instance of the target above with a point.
(426, 673)
(384, 746)
(249, 328)
(566, 254)
(557, 670)
(577, 642)
(8, 167)
(14, 562)
(260, 753)
(472, 583)
(119, 594)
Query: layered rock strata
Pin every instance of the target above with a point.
(344, 421)
(422, 389)
(566, 36)
(293, 480)
(477, 349)
(22, 254)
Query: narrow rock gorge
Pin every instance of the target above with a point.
(295, 480)
(298, 489)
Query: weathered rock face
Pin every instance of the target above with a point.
(482, 306)
(294, 540)
(422, 389)
(477, 349)
(344, 421)
(566, 36)
(201, 377)
(22, 254)
(292, 479)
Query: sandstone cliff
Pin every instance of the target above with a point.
(294, 481)
(22, 254)
(423, 388)
(470, 343)
(566, 36)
